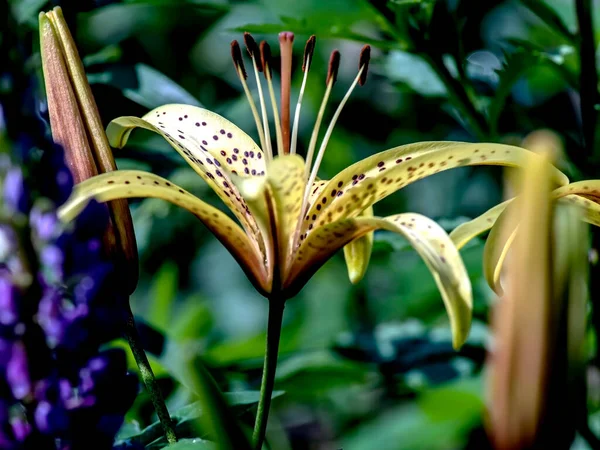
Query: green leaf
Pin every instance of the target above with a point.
(192, 444)
(162, 297)
(314, 374)
(219, 421)
(128, 430)
(550, 17)
(114, 23)
(26, 10)
(186, 419)
(412, 70)
(440, 419)
(145, 86)
(517, 64)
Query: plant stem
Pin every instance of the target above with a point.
(133, 337)
(276, 306)
(588, 75)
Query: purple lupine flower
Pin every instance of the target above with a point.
(59, 302)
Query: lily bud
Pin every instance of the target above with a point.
(76, 125)
(535, 368)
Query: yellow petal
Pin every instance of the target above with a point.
(358, 253)
(468, 230)
(203, 139)
(285, 176)
(498, 242)
(135, 184)
(374, 178)
(427, 237)
(496, 248)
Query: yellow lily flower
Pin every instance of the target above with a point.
(585, 195)
(290, 223)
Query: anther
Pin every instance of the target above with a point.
(309, 49)
(253, 50)
(238, 62)
(363, 63)
(334, 65)
(265, 59)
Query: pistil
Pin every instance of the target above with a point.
(286, 41)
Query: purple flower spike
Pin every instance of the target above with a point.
(16, 196)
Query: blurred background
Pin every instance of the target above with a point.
(361, 367)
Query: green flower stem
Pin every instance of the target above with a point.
(133, 337)
(276, 306)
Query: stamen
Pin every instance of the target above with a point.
(363, 62)
(334, 65)
(252, 49)
(286, 41)
(265, 56)
(256, 63)
(238, 62)
(308, 53)
(359, 76)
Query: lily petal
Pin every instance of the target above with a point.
(210, 144)
(427, 237)
(275, 201)
(473, 228)
(134, 184)
(358, 252)
(376, 177)
(499, 242)
(287, 184)
(496, 248)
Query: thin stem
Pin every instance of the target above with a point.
(588, 76)
(325, 141)
(261, 133)
(133, 337)
(315, 134)
(263, 110)
(276, 306)
(298, 108)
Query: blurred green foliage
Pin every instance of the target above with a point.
(361, 367)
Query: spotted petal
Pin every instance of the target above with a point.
(134, 183)
(358, 252)
(501, 238)
(427, 237)
(209, 143)
(473, 228)
(374, 178)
